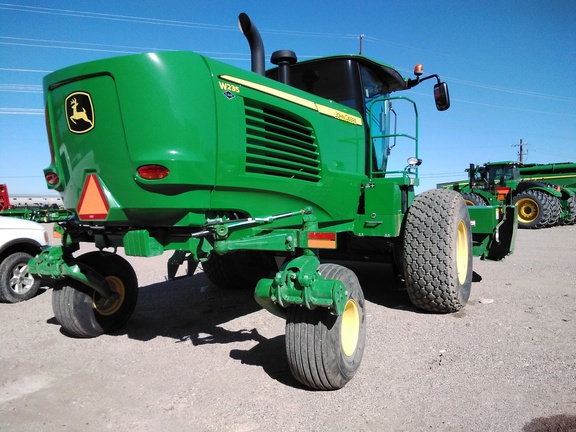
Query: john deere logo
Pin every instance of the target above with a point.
(79, 112)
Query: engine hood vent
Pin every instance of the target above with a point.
(280, 145)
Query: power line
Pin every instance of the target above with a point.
(121, 49)
(159, 21)
(513, 108)
(112, 17)
(510, 90)
(20, 177)
(91, 44)
(117, 49)
(501, 89)
(67, 48)
(22, 111)
(21, 88)
(24, 70)
(64, 44)
(564, 113)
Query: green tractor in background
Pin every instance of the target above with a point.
(265, 178)
(556, 179)
(544, 194)
(35, 212)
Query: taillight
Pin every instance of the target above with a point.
(322, 240)
(153, 172)
(52, 178)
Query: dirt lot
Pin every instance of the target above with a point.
(198, 358)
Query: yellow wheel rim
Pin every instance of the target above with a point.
(469, 202)
(462, 248)
(527, 210)
(110, 306)
(350, 328)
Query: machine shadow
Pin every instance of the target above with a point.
(192, 310)
(174, 308)
(380, 284)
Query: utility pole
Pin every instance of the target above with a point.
(521, 151)
(361, 37)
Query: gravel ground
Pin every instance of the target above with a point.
(198, 358)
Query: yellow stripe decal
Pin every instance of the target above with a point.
(322, 109)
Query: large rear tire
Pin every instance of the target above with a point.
(240, 269)
(537, 209)
(473, 199)
(324, 350)
(84, 313)
(437, 251)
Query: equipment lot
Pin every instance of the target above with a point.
(199, 358)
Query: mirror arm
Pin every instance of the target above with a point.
(414, 82)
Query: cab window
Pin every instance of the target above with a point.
(378, 116)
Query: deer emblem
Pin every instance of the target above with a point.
(77, 115)
(79, 112)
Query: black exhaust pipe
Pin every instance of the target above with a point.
(255, 40)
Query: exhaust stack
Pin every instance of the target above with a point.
(255, 40)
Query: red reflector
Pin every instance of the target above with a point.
(153, 172)
(52, 178)
(322, 240)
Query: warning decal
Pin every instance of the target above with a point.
(93, 204)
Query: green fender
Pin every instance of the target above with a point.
(548, 190)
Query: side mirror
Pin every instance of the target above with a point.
(441, 96)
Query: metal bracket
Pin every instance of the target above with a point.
(299, 283)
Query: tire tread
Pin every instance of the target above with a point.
(429, 236)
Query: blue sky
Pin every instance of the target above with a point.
(508, 65)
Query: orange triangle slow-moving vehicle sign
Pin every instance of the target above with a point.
(93, 204)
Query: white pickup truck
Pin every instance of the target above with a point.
(20, 240)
